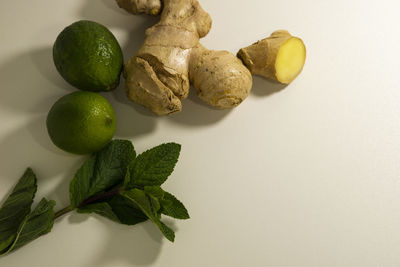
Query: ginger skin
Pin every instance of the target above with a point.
(157, 77)
(219, 78)
(151, 7)
(280, 57)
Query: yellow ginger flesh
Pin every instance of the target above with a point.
(290, 60)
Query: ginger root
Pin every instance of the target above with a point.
(280, 57)
(171, 58)
(157, 77)
(151, 7)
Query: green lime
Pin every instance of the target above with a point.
(88, 56)
(81, 122)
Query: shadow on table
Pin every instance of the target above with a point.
(29, 146)
(30, 85)
(136, 245)
(30, 82)
(263, 87)
(197, 113)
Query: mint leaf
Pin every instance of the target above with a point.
(167, 232)
(127, 212)
(104, 209)
(172, 207)
(113, 160)
(152, 167)
(80, 185)
(16, 207)
(155, 205)
(141, 199)
(101, 171)
(117, 209)
(37, 223)
(155, 191)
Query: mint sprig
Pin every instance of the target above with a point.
(101, 171)
(16, 207)
(113, 183)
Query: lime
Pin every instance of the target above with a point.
(88, 56)
(81, 122)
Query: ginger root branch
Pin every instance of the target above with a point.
(157, 77)
(151, 7)
(219, 77)
(280, 57)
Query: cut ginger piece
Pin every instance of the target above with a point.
(280, 57)
(290, 60)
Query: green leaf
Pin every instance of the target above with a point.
(103, 208)
(155, 205)
(16, 207)
(127, 212)
(155, 191)
(117, 209)
(80, 185)
(156, 194)
(141, 199)
(101, 171)
(152, 167)
(168, 232)
(172, 207)
(37, 223)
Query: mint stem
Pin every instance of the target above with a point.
(88, 201)
(62, 212)
(100, 197)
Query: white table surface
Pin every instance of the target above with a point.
(307, 176)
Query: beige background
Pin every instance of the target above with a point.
(307, 176)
